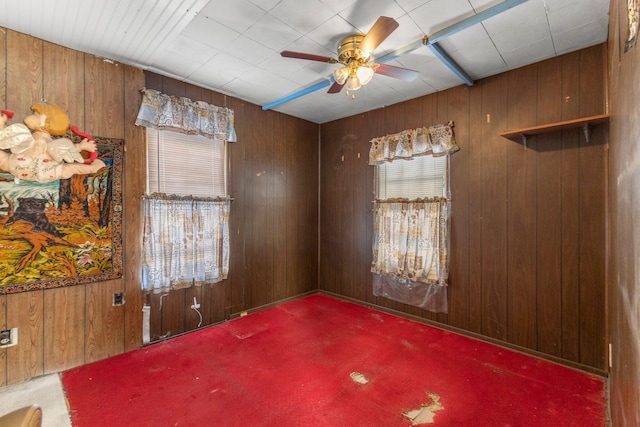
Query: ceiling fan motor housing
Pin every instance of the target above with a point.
(349, 50)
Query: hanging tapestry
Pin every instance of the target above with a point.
(64, 232)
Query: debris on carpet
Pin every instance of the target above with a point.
(426, 412)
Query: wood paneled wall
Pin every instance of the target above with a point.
(528, 225)
(65, 327)
(624, 271)
(274, 222)
(274, 215)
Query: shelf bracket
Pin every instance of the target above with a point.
(524, 140)
(586, 128)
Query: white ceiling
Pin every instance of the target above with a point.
(233, 46)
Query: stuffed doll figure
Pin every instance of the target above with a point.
(38, 150)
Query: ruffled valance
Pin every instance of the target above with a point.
(437, 140)
(165, 112)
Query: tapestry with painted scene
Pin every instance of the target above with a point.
(65, 232)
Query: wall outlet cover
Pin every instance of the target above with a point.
(8, 337)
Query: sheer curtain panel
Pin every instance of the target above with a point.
(185, 242)
(411, 236)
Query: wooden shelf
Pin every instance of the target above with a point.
(586, 123)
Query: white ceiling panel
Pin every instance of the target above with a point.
(304, 16)
(210, 32)
(234, 46)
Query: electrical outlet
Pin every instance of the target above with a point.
(118, 299)
(8, 337)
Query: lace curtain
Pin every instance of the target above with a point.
(411, 240)
(165, 112)
(185, 242)
(437, 140)
(411, 237)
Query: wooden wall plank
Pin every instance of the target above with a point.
(282, 143)
(308, 237)
(329, 221)
(592, 81)
(218, 311)
(592, 249)
(268, 236)
(521, 217)
(134, 187)
(375, 125)
(25, 360)
(429, 109)
(104, 103)
(570, 217)
(494, 209)
(250, 175)
(234, 299)
(549, 245)
(459, 280)
(24, 73)
(347, 179)
(63, 80)
(362, 197)
(413, 116)
(259, 285)
(173, 87)
(155, 317)
(570, 86)
(173, 312)
(549, 204)
(105, 323)
(293, 176)
(476, 157)
(64, 321)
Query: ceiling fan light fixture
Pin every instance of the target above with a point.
(365, 74)
(353, 83)
(341, 75)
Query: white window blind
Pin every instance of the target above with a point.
(419, 177)
(185, 164)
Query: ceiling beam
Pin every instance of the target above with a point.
(430, 41)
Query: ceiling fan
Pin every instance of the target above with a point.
(354, 53)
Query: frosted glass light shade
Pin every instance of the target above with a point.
(353, 83)
(341, 75)
(364, 74)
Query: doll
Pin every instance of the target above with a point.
(39, 152)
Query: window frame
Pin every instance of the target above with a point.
(155, 136)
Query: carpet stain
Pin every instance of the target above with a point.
(359, 378)
(426, 412)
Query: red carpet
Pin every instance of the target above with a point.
(292, 365)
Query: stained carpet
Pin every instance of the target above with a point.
(322, 361)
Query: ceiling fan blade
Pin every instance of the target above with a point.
(335, 88)
(397, 72)
(383, 27)
(309, 56)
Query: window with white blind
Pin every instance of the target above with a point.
(185, 164)
(418, 177)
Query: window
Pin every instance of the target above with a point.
(186, 212)
(414, 178)
(411, 231)
(187, 165)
